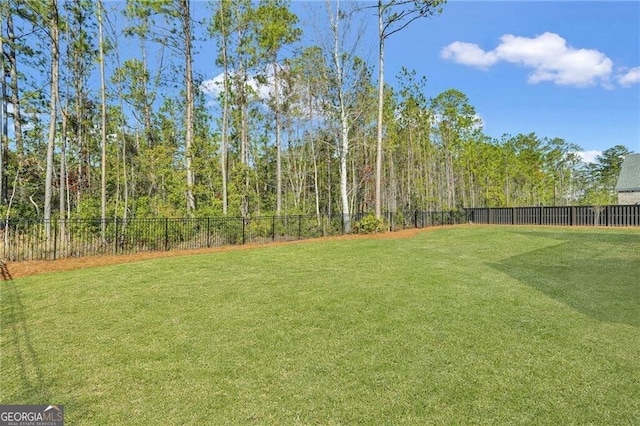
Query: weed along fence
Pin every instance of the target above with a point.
(620, 215)
(38, 240)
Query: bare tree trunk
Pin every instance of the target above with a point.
(278, 141)
(189, 121)
(4, 138)
(15, 98)
(55, 56)
(329, 192)
(125, 180)
(224, 166)
(344, 125)
(62, 229)
(63, 161)
(103, 132)
(392, 202)
(316, 190)
(83, 173)
(353, 202)
(241, 89)
(408, 202)
(344, 150)
(225, 147)
(244, 141)
(378, 202)
(15, 101)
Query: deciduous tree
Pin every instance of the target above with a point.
(394, 16)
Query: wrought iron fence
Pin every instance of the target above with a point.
(615, 215)
(39, 240)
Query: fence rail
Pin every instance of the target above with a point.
(39, 240)
(22, 239)
(616, 215)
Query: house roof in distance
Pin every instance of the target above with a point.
(629, 179)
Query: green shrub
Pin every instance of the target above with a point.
(369, 225)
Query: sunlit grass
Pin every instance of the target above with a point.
(461, 325)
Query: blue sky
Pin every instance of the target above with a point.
(564, 69)
(557, 68)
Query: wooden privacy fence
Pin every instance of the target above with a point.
(618, 215)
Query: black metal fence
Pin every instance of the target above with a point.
(619, 215)
(38, 240)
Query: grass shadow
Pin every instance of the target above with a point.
(596, 274)
(617, 236)
(18, 344)
(5, 274)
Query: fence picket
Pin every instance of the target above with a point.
(26, 239)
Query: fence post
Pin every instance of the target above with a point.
(572, 216)
(208, 232)
(6, 236)
(55, 238)
(273, 228)
(115, 236)
(540, 215)
(244, 238)
(166, 234)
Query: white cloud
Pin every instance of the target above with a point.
(630, 77)
(264, 89)
(478, 122)
(588, 156)
(215, 86)
(548, 56)
(469, 54)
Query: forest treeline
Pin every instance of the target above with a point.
(104, 115)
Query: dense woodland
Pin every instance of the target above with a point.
(91, 130)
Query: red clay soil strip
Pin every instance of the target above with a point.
(12, 270)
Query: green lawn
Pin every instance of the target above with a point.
(486, 325)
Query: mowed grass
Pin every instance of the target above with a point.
(465, 325)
